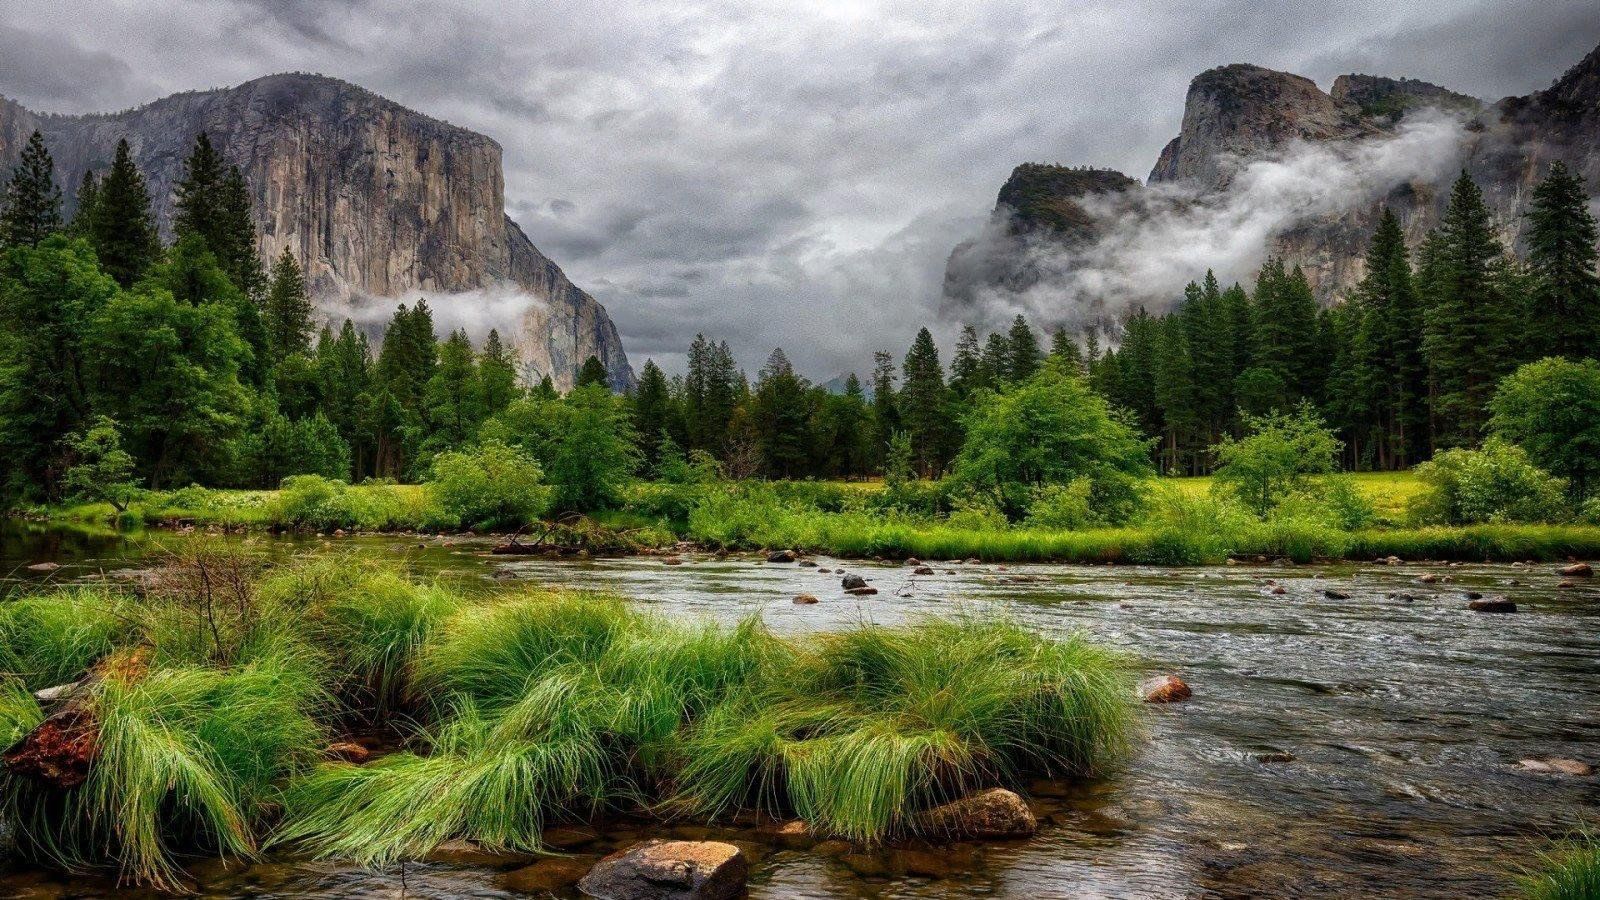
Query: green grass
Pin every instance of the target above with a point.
(1570, 871)
(528, 709)
(52, 638)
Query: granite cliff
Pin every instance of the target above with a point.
(1238, 114)
(376, 200)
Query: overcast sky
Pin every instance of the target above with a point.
(771, 173)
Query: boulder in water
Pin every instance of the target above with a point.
(804, 599)
(1492, 605)
(1578, 570)
(922, 570)
(1164, 689)
(852, 582)
(669, 870)
(782, 556)
(994, 813)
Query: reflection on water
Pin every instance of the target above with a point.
(1334, 747)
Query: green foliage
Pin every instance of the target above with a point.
(287, 310)
(492, 485)
(312, 501)
(1050, 429)
(31, 208)
(1562, 238)
(19, 711)
(118, 221)
(584, 442)
(53, 638)
(1276, 457)
(592, 374)
(101, 469)
(1063, 505)
(1551, 409)
(1498, 483)
(1569, 871)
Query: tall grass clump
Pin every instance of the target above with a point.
(189, 758)
(54, 637)
(312, 501)
(19, 711)
(1571, 871)
(873, 725)
(548, 706)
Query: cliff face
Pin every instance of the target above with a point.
(1239, 113)
(376, 200)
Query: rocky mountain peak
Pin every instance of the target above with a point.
(1237, 111)
(1048, 197)
(1389, 99)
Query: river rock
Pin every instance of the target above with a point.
(1430, 578)
(459, 852)
(1474, 595)
(782, 556)
(808, 564)
(852, 582)
(1492, 605)
(1164, 689)
(862, 591)
(1573, 767)
(1578, 570)
(913, 561)
(804, 599)
(669, 870)
(922, 570)
(58, 692)
(1279, 590)
(1567, 584)
(994, 813)
(795, 835)
(44, 567)
(672, 561)
(972, 561)
(547, 876)
(1332, 594)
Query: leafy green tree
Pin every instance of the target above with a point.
(167, 371)
(48, 296)
(924, 405)
(278, 447)
(1024, 356)
(297, 384)
(1469, 320)
(593, 372)
(492, 485)
(497, 374)
(100, 469)
(1050, 429)
(190, 273)
(584, 442)
(31, 210)
(119, 222)
(1277, 455)
(1565, 316)
(287, 311)
(1551, 409)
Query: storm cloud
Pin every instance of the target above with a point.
(775, 173)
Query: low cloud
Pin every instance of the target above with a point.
(478, 312)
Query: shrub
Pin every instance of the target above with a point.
(1571, 871)
(312, 501)
(977, 512)
(1551, 409)
(1062, 506)
(1495, 484)
(493, 485)
(1274, 458)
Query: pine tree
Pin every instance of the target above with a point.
(84, 205)
(1468, 321)
(781, 417)
(994, 370)
(593, 372)
(199, 194)
(1388, 376)
(213, 203)
(238, 234)
(497, 374)
(966, 365)
(1024, 357)
(885, 411)
(924, 406)
(453, 395)
(1565, 315)
(1064, 348)
(120, 225)
(652, 411)
(344, 372)
(287, 310)
(1173, 386)
(31, 210)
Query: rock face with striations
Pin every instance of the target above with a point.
(1238, 113)
(375, 199)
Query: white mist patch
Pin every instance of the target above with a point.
(1149, 243)
(478, 312)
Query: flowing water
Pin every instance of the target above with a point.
(1359, 747)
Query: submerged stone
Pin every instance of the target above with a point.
(782, 556)
(994, 813)
(547, 876)
(851, 582)
(669, 870)
(804, 599)
(1492, 605)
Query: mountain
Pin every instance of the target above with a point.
(376, 200)
(1237, 115)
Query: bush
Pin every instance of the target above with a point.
(1551, 409)
(490, 486)
(1495, 484)
(1062, 506)
(312, 501)
(1274, 458)
(977, 512)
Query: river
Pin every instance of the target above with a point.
(1365, 746)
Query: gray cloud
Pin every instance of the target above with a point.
(774, 172)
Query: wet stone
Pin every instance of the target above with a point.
(1492, 605)
(669, 870)
(994, 813)
(548, 876)
(1164, 689)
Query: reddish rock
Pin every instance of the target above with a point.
(922, 570)
(994, 813)
(1164, 689)
(1280, 590)
(1578, 570)
(1430, 578)
(1573, 767)
(672, 561)
(804, 599)
(1492, 605)
(348, 751)
(913, 561)
(669, 870)
(795, 835)
(782, 556)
